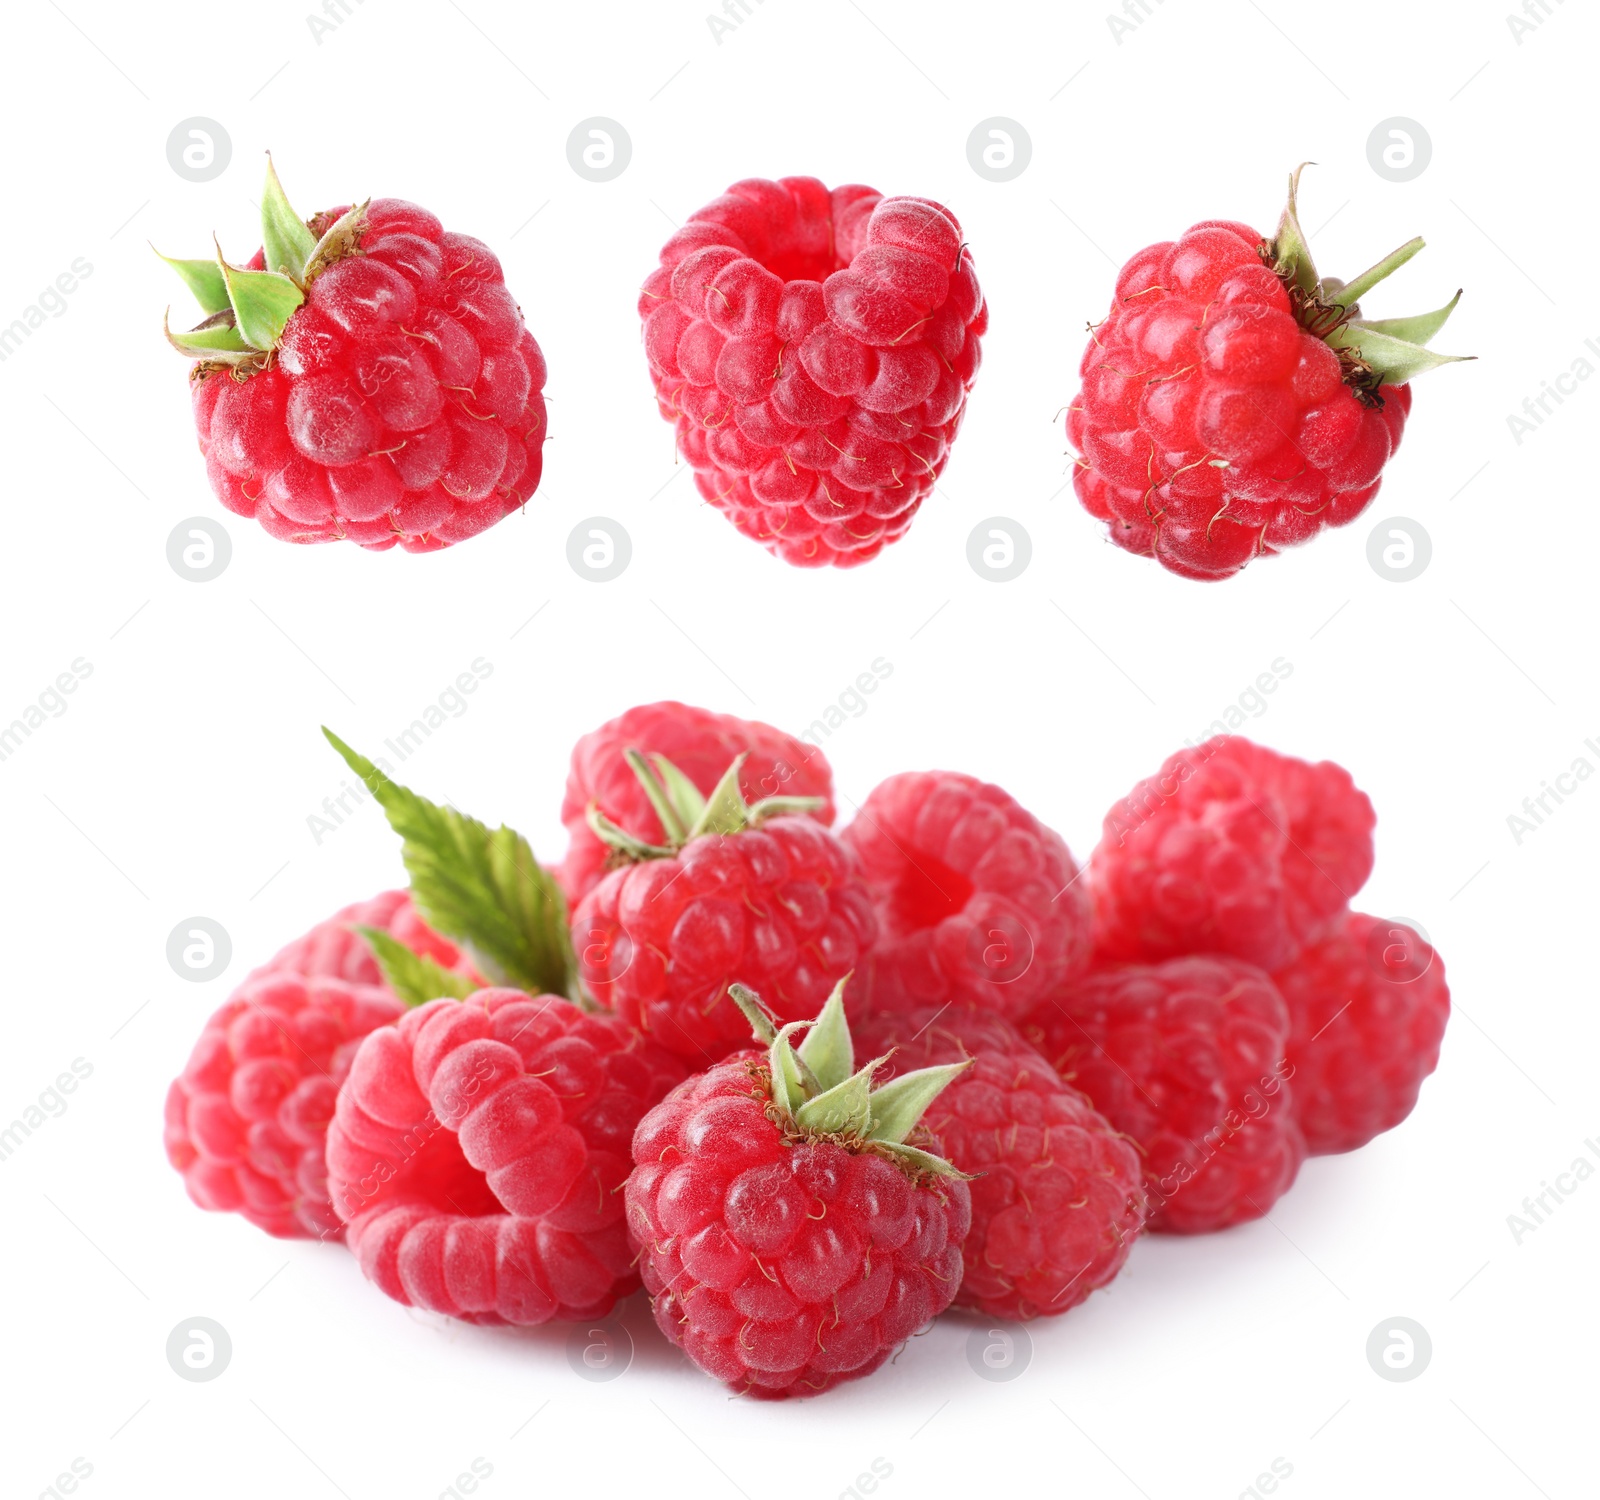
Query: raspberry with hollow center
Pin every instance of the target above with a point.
(699, 743)
(1187, 1059)
(1368, 1004)
(794, 1226)
(477, 1152)
(1057, 1194)
(814, 351)
(1233, 403)
(1229, 848)
(376, 385)
(977, 901)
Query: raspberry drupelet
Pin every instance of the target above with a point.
(977, 901)
(738, 891)
(367, 377)
(1057, 1194)
(814, 350)
(795, 1225)
(478, 1151)
(1368, 1003)
(699, 743)
(1187, 1058)
(1229, 848)
(1234, 403)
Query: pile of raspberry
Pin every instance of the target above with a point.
(809, 1087)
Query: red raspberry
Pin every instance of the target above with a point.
(1057, 1194)
(1368, 1004)
(814, 350)
(701, 744)
(1187, 1058)
(1229, 406)
(977, 901)
(334, 949)
(246, 1118)
(245, 1121)
(771, 901)
(400, 401)
(477, 1152)
(1229, 848)
(784, 1257)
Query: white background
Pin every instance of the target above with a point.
(180, 779)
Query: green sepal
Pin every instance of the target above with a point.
(900, 1104)
(779, 807)
(827, 1049)
(1416, 330)
(1393, 361)
(1346, 294)
(480, 886)
(789, 1089)
(414, 977)
(263, 302)
(684, 794)
(755, 1012)
(204, 279)
(342, 238)
(1387, 351)
(685, 814)
(619, 839)
(1291, 254)
(924, 1161)
(726, 810)
(214, 340)
(286, 243)
(845, 1109)
(672, 824)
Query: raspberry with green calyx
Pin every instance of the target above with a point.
(795, 1224)
(365, 377)
(758, 892)
(1235, 402)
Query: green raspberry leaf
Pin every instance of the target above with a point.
(478, 885)
(414, 977)
(286, 243)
